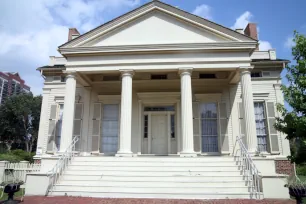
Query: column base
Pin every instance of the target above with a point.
(188, 154)
(124, 154)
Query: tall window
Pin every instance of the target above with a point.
(209, 127)
(145, 126)
(59, 126)
(110, 128)
(261, 129)
(172, 118)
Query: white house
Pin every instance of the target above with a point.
(160, 81)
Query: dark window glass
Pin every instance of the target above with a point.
(145, 131)
(159, 108)
(172, 126)
(207, 76)
(4, 92)
(256, 74)
(158, 76)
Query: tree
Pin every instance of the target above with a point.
(293, 123)
(19, 120)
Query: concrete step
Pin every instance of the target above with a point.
(158, 172)
(152, 168)
(155, 159)
(153, 184)
(154, 190)
(154, 163)
(203, 195)
(73, 177)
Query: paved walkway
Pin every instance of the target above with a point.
(83, 200)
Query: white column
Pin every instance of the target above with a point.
(186, 114)
(248, 105)
(126, 114)
(68, 117)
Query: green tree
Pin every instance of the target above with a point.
(19, 120)
(293, 123)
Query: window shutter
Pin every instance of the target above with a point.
(77, 125)
(273, 136)
(242, 123)
(223, 127)
(96, 127)
(52, 127)
(196, 127)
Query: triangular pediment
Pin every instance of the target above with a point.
(156, 28)
(156, 23)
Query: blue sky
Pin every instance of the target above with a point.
(30, 31)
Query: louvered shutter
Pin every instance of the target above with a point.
(96, 127)
(242, 123)
(223, 127)
(273, 136)
(52, 127)
(196, 127)
(77, 125)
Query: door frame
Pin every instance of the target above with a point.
(150, 113)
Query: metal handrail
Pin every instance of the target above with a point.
(249, 170)
(62, 164)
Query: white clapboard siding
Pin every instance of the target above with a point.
(273, 136)
(96, 127)
(196, 127)
(77, 126)
(223, 121)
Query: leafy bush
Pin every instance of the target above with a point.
(301, 170)
(17, 156)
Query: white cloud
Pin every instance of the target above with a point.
(242, 20)
(264, 45)
(289, 43)
(203, 11)
(30, 33)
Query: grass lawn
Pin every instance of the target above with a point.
(17, 195)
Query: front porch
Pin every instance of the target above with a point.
(158, 113)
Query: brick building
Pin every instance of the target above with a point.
(10, 84)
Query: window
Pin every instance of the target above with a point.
(209, 127)
(172, 123)
(145, 126)
(207, 76)
(159, 108)
(4, 91)
(110, 127)
(159, 76)
(261, 129)
(256, 74)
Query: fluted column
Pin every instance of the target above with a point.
(248, 105)
(186, 111)
(68, 117)
(126, 114)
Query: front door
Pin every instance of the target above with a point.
(159, 134)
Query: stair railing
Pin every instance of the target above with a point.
(61, 164)
(248, 168)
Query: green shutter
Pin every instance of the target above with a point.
(223, 127)
(196, 127)
(77, 125)
(96, 126)
(52, 128)
(242, 122)
(273, 136)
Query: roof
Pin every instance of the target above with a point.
(269, 60)
(54, 67)
(160, 4)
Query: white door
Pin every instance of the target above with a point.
(159, 134)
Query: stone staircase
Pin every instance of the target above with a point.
(209, 177)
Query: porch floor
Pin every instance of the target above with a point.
(83, 200)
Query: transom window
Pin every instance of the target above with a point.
(261, 128)
(159, 108)
(256, 74)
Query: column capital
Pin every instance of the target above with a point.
(70, 74)
(245, 69)
(185, 71)
(277, 86)
(127, 72)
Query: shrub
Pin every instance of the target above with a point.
(17, 156)
(301, 170)
(10, 158)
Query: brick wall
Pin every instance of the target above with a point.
(284, 167)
